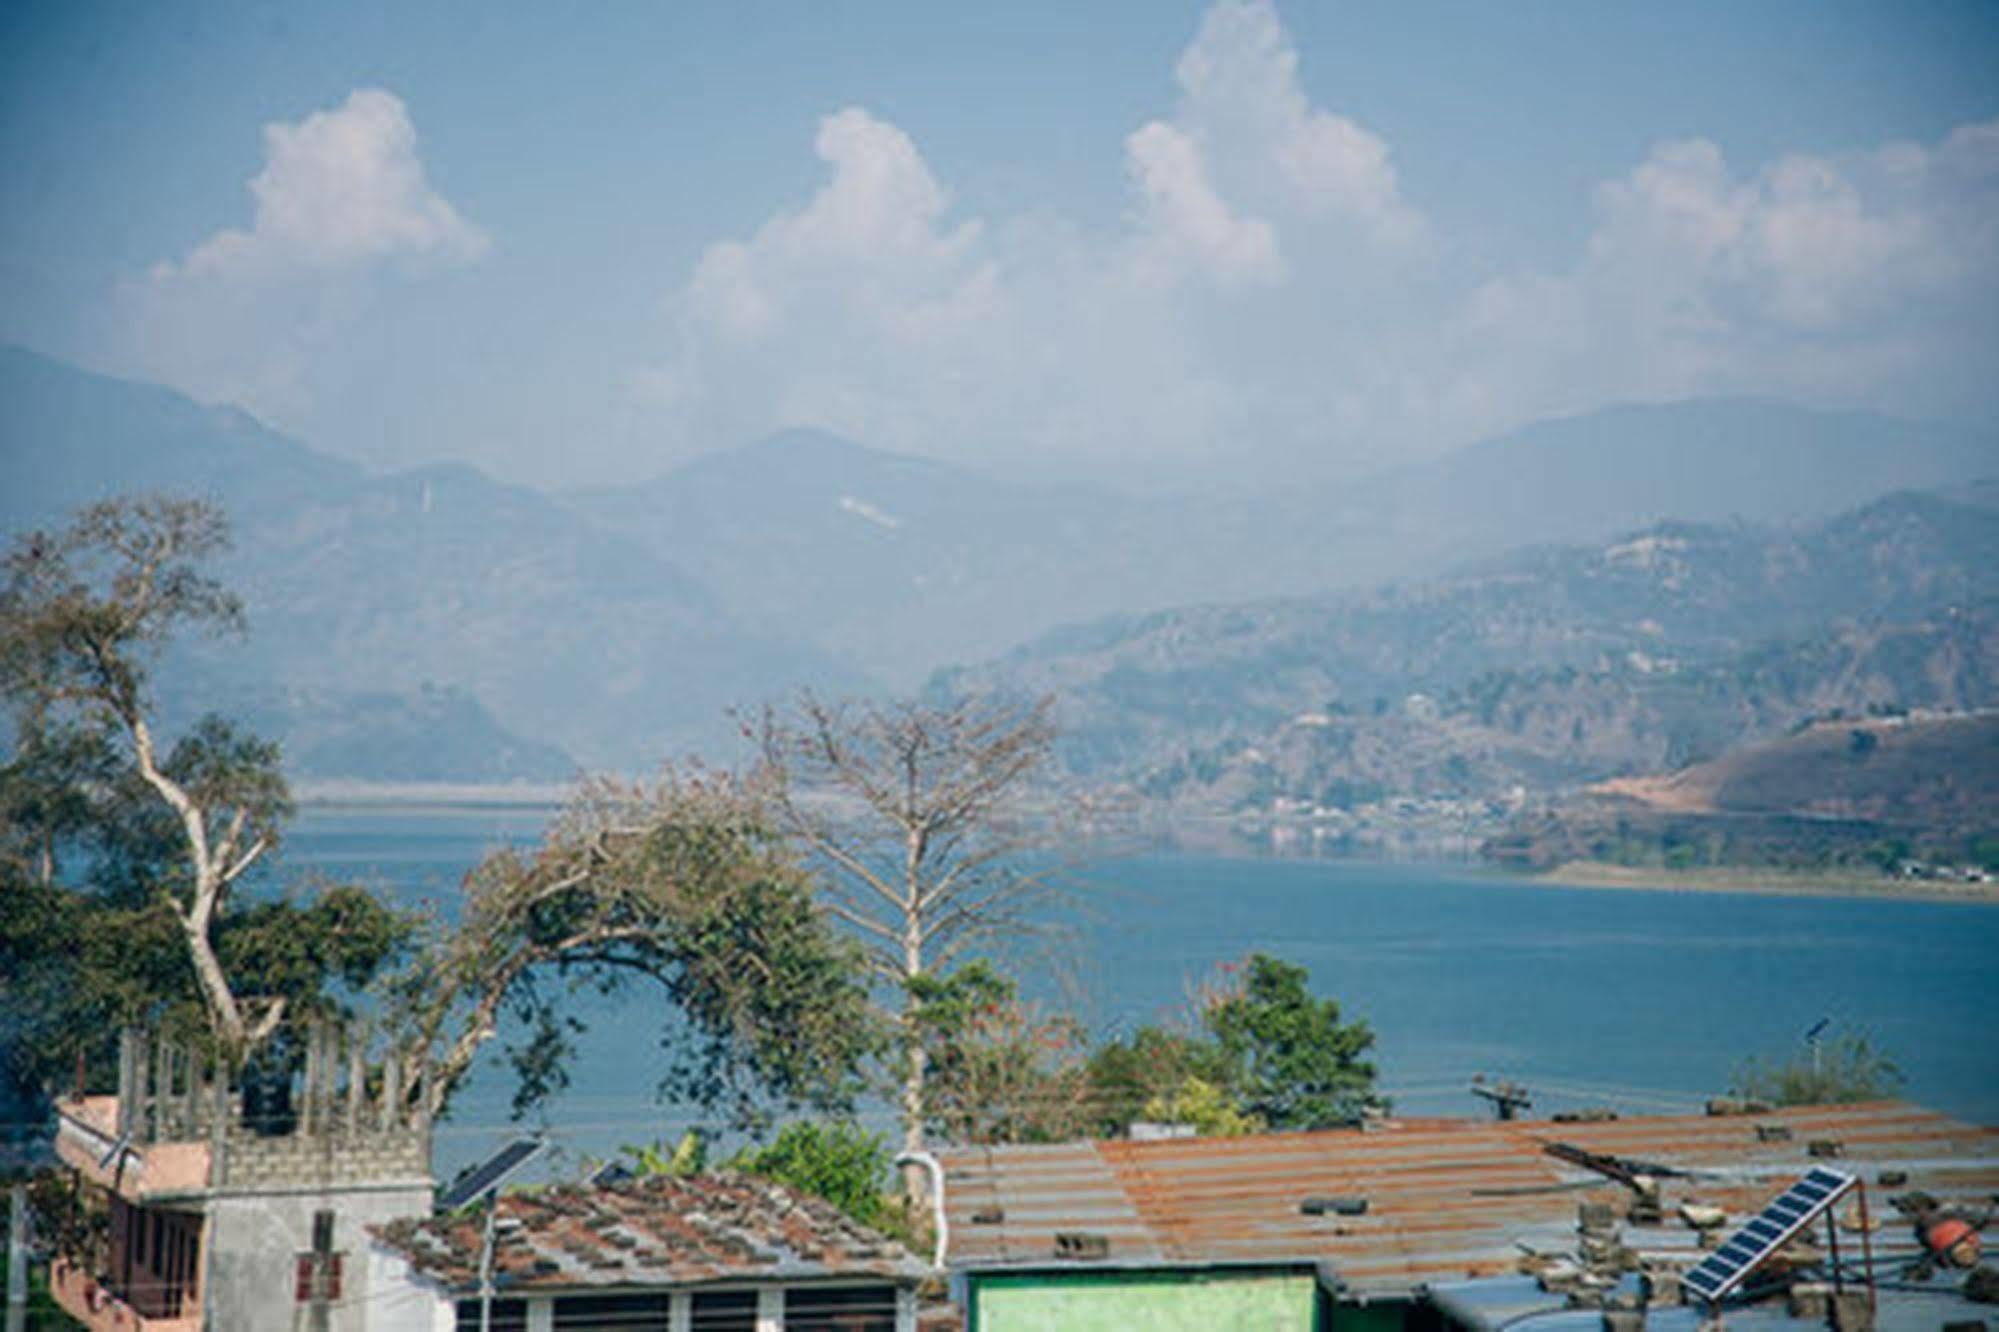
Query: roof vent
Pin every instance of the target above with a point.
(1336, 1205)
(1081, 1244)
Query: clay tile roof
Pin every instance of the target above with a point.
(657, 1231)
(1446, 1199)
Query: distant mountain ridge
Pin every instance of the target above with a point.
(567, 645)
(902, 565)
(615, 626)
(1551, 665)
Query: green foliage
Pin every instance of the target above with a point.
(1268, 1055)
(1846, 1068)
(1208, 1108)
(1126, 1077)
(688, 1156)
(69, 1219)
(1292, 1063)
(836, 1160)
(997, 1070)
(681, 884)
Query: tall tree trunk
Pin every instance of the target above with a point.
(914, 1179)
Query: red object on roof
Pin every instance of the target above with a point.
(1948, 1233)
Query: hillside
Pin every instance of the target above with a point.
(1876, 790)
(567, 643)
(616, 626)
(1547, 640)
(1929, 771)
(901, 565)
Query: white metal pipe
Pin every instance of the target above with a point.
(936, 1169)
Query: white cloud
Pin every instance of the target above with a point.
(1184, 219)
(342, 199)
(1272, 297)
(870, 240)
(1866, 278)
(1242, 100)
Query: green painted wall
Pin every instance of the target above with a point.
(1157, 1302)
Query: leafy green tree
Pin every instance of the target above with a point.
(1209, 1109)
(682, 884)
(1263, 1054)
(837, 1161)
(84, 614)
(1293, 1064)
(120, 852)
(1845, 1069)
(688, 1156)
(1128, 1079)
(999, 1071)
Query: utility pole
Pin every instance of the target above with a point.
(1508, 1098)
(486, 1264)
(17, 1257)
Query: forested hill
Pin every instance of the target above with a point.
(1548, 667)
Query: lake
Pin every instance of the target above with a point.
(1646, 1001)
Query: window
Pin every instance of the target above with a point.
(508, 1315)
(725, 1311)
(612, 1313)
(302, 1277)
(839, 1309)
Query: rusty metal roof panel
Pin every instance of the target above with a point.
(1445, 1199)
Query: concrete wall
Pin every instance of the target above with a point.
(255, 1240)
(400, 1301)
(323, 1160)
(1158, 1302)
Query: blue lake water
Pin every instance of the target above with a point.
(1646, 1001)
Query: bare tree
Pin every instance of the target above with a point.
(912, 813)
(83, 614)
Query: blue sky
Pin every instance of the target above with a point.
(577, 245)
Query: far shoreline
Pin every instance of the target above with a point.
(1762, 882)
(417, 797)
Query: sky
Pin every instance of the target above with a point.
(1153, 242)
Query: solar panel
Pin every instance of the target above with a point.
(1766, 1232)
(489, 1174)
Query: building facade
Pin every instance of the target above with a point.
(239, 1203)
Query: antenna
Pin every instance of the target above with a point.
(1812, 1039)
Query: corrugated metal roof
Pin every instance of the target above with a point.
(654, 1232)
(1446, 1198)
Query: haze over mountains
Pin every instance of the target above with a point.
(438, 624)
(1544, 668)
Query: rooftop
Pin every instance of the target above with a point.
(656, 1231)
(1519, 1304)
(1445, 1199)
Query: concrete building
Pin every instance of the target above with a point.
(710, 1253)
(234, 1206)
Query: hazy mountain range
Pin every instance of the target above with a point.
(1550, 665)
(439, 619)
